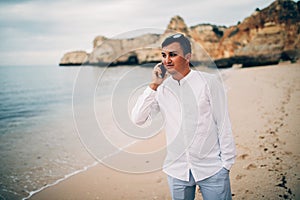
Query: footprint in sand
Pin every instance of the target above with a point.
(242, 157)
(261, 137)
(248, 192)
(240, 176)
(251, 166)
(159, 180)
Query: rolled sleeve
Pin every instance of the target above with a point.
(144, 107)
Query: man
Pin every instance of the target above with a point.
(200, 145)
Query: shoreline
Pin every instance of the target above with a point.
(84, 169)
(31, 193)
(122, 185)
(264, 112)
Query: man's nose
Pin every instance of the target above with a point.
(168, 59)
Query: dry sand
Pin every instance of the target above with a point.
(265, 113)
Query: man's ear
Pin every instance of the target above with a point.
(188, 57)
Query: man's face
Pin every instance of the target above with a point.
(173, 58)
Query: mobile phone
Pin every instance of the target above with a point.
(163, 71)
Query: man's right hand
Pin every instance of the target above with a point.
(156, 80)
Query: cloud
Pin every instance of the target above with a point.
(37, 27)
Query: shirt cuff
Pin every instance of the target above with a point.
(227, 166)
(149, 90)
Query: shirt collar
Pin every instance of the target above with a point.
(184, 79)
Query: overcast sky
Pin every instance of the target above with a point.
(39, 32)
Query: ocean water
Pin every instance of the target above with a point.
(40, 142)
(58, 121)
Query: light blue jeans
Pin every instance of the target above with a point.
(216, 187)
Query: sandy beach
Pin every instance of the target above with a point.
(264, 109)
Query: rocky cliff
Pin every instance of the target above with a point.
(74, 58)
(124, 51)
(266, 37)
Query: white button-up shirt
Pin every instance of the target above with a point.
(198, 130)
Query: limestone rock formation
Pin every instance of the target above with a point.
(209, 36)
(98, 41)
(74, 58)
(123, 51)
(266, 37)
(177, 24)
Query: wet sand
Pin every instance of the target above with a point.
(264, 108)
